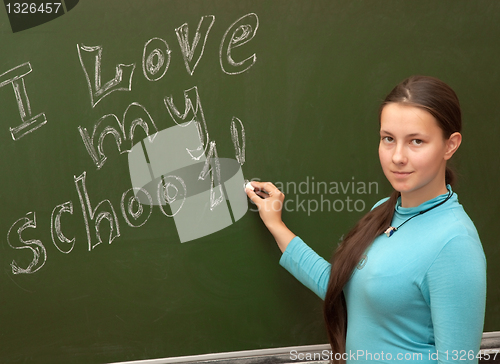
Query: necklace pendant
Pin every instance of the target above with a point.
(390, 230)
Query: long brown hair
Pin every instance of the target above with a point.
(435, 97)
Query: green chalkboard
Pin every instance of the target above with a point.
(114, 108)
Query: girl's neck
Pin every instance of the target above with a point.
(418, 197)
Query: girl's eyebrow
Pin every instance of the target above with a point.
(407, 136)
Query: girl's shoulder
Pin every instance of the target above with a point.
(380, 202)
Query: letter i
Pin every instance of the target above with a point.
(29, 122)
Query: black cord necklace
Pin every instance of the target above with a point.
(391, 230)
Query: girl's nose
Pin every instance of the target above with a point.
(399, 156)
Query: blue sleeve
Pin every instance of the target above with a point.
(308, 267)
(456, 283)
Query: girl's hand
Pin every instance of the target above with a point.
(269, 200)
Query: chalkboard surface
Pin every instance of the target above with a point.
(128, 128)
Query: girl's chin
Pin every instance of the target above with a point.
(401, 187)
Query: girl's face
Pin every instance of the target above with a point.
(413, 152)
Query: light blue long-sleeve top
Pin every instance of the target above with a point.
(417, 296)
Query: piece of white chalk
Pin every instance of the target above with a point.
(249, 185)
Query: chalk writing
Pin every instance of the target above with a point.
(193, 112)
(123, 132)
(55, 228)
(240, 32)
(169, 189)
(239, 148)
(192, 53)
(36, 246)
(94, 216)
(133, 209)
(156, 55)
(90, 59)
(212, 166)
(15, 77)
(169, 192)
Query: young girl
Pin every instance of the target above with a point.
(408, 282)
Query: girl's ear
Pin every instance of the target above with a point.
(452, 144)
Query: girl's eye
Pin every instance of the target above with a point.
(417, 142)
(387, 139)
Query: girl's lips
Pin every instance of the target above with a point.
(401, 174)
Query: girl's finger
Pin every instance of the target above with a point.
(253, 196)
